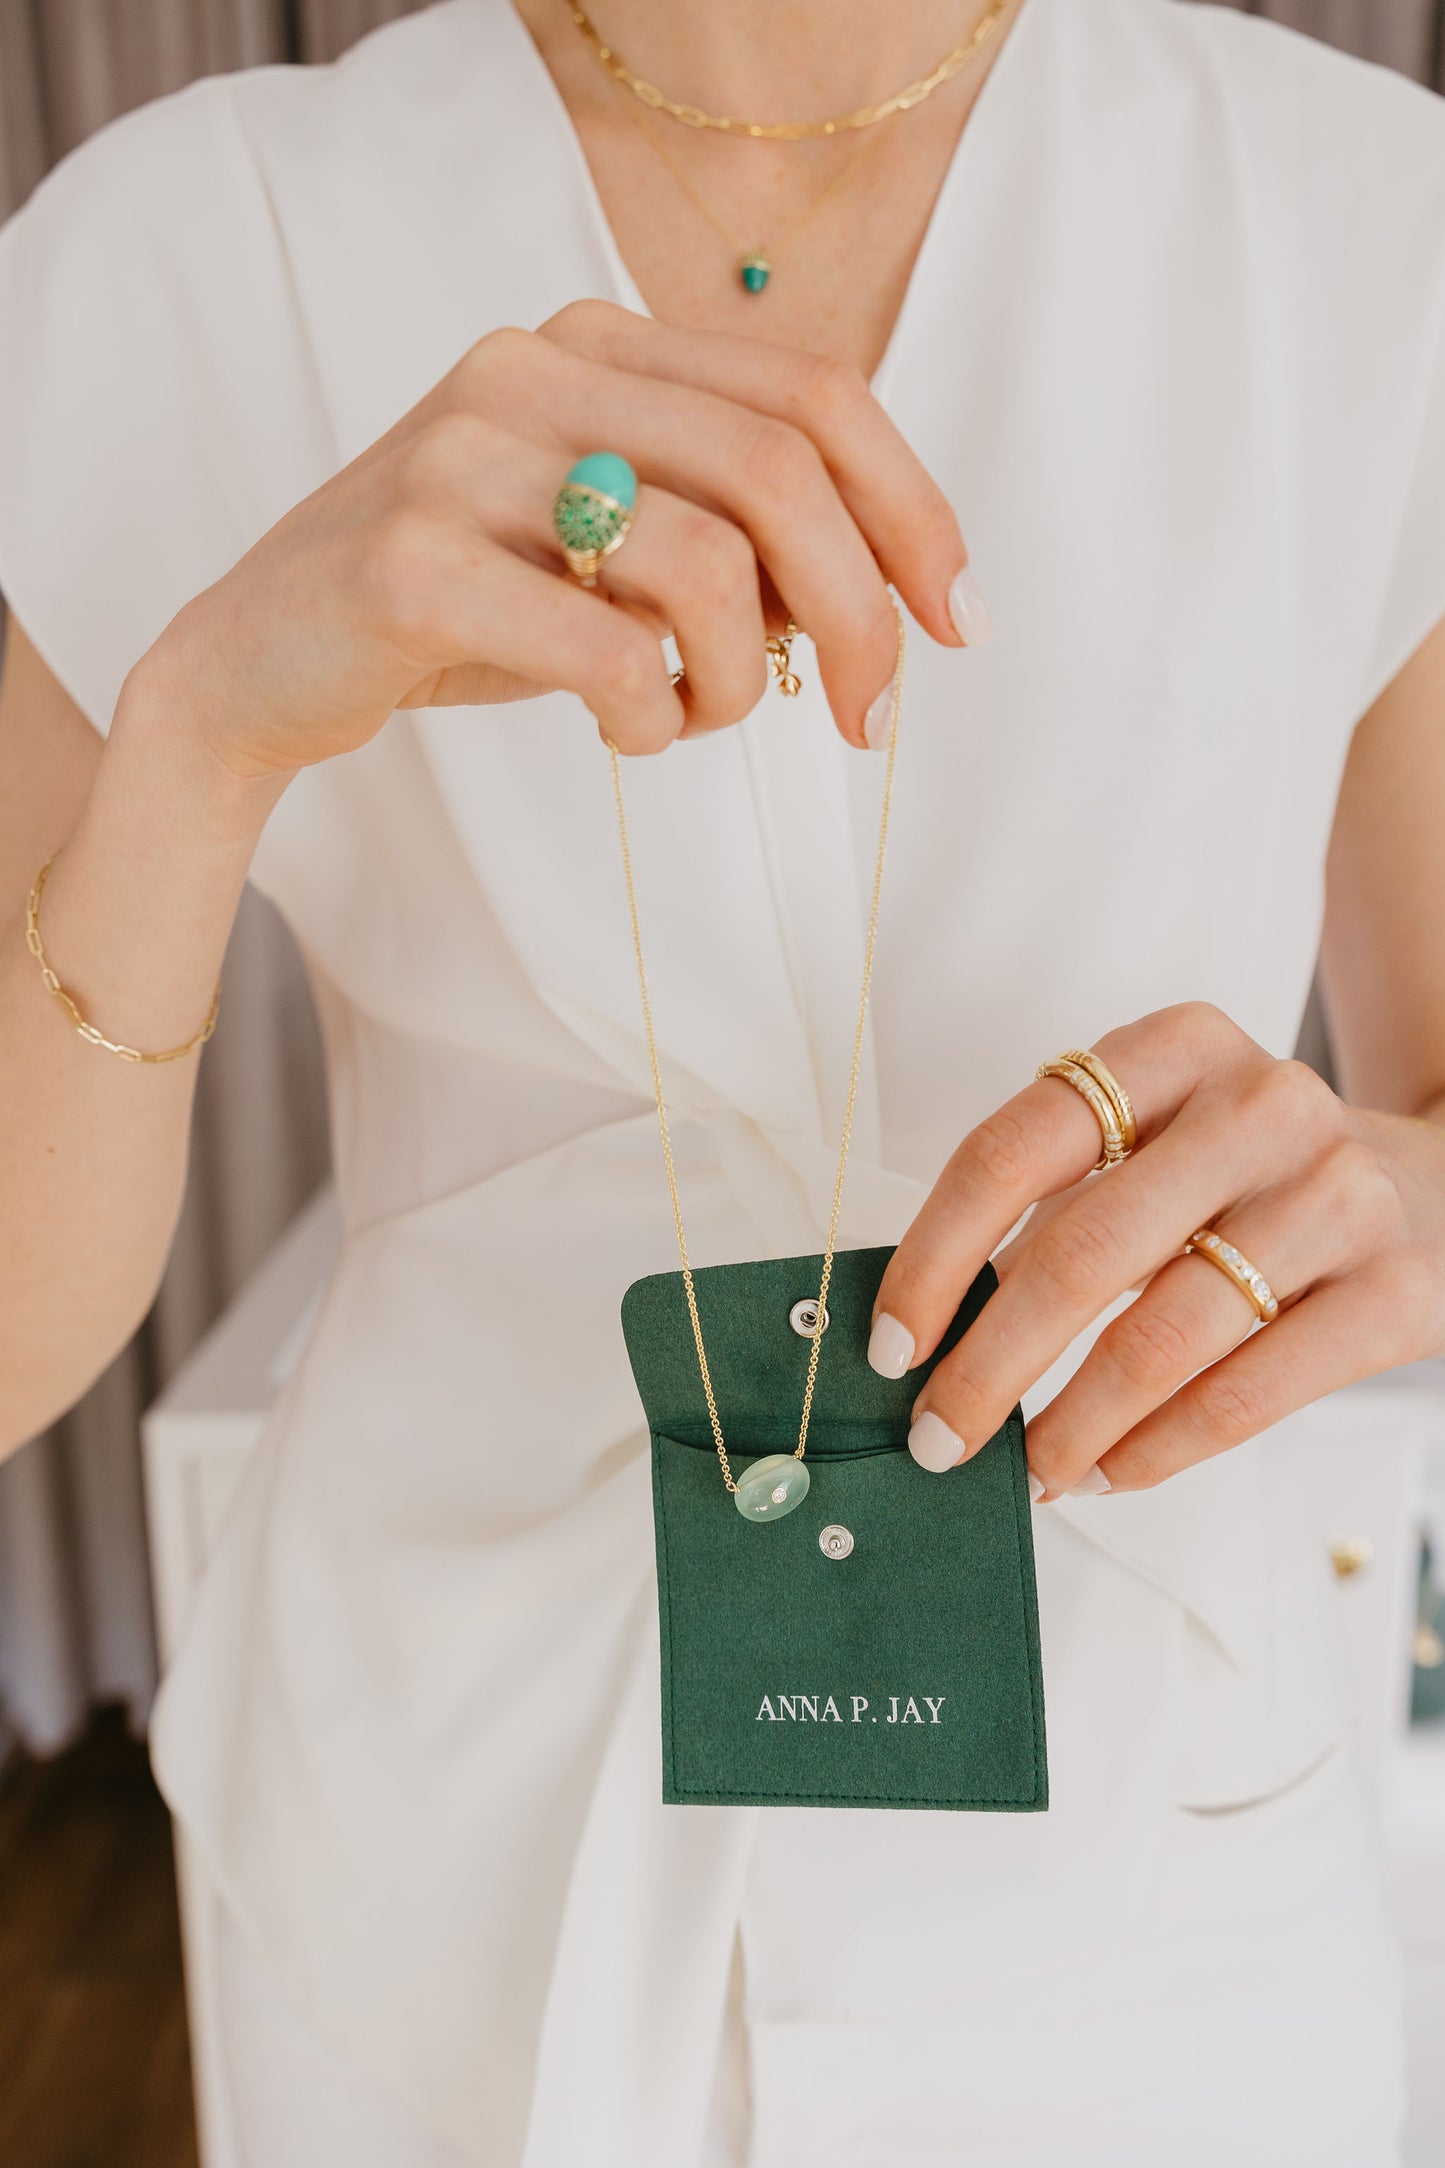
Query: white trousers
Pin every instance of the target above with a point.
(1258, 2023)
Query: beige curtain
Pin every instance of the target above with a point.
(74, 1595)
(75, 1610)
(1404, 34)
(68, 66)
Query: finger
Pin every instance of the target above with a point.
(1346, 1329)
(909, 524)
(699, 575)
(681, 568)
(1189, 1315)
(1116, 1232)
(1043, 1141)
(683, 564)
(473, 599)
(770, 480)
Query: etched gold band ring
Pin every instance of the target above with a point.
(1106, 1098)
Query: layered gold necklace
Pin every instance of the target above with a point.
(755, 265)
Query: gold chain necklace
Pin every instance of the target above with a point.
(754, 265)
(870, 947)
(792, 131)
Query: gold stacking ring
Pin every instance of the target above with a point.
(1251, 1282)
(1109, 1103)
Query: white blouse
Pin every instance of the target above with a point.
(1175, 346)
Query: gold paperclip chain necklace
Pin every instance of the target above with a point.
(791, 131)
(854, 1071)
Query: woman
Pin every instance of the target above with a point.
(1154, 298)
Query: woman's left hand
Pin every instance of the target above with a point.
(1342, 1211)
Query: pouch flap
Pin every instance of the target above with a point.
(759, 1362)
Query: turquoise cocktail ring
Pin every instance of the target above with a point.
(592, 512)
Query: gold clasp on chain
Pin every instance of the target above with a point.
(780, 661)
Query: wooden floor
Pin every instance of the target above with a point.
(94, 2067)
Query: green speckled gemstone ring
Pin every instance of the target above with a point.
(592, 512)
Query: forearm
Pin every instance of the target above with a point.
(135, 919)
(413, 576)
(1383, 954)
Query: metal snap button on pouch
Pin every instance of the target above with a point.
(803, 1317)
(835, 1540)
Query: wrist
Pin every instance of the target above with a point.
(158, 745)
(139, 904)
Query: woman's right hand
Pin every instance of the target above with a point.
(425, 574)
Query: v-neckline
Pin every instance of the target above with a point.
(986, 115)
(813, 803)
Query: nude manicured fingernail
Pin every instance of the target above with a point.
(933, 1445)
(890, 1346)
(1036, 1488)
(878, 719)
(1092, 1485)
(968, 610)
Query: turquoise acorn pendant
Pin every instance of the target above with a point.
(592, 512)
(772, 1487)
(755, 270)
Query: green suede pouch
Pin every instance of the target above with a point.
(902, 1674)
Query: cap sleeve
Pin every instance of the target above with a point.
(1413, 601)
(157, 409)
(1388, 322)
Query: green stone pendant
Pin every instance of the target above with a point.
(755, 271)
(772, 1487)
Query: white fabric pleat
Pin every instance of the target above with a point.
(1256, 2017)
